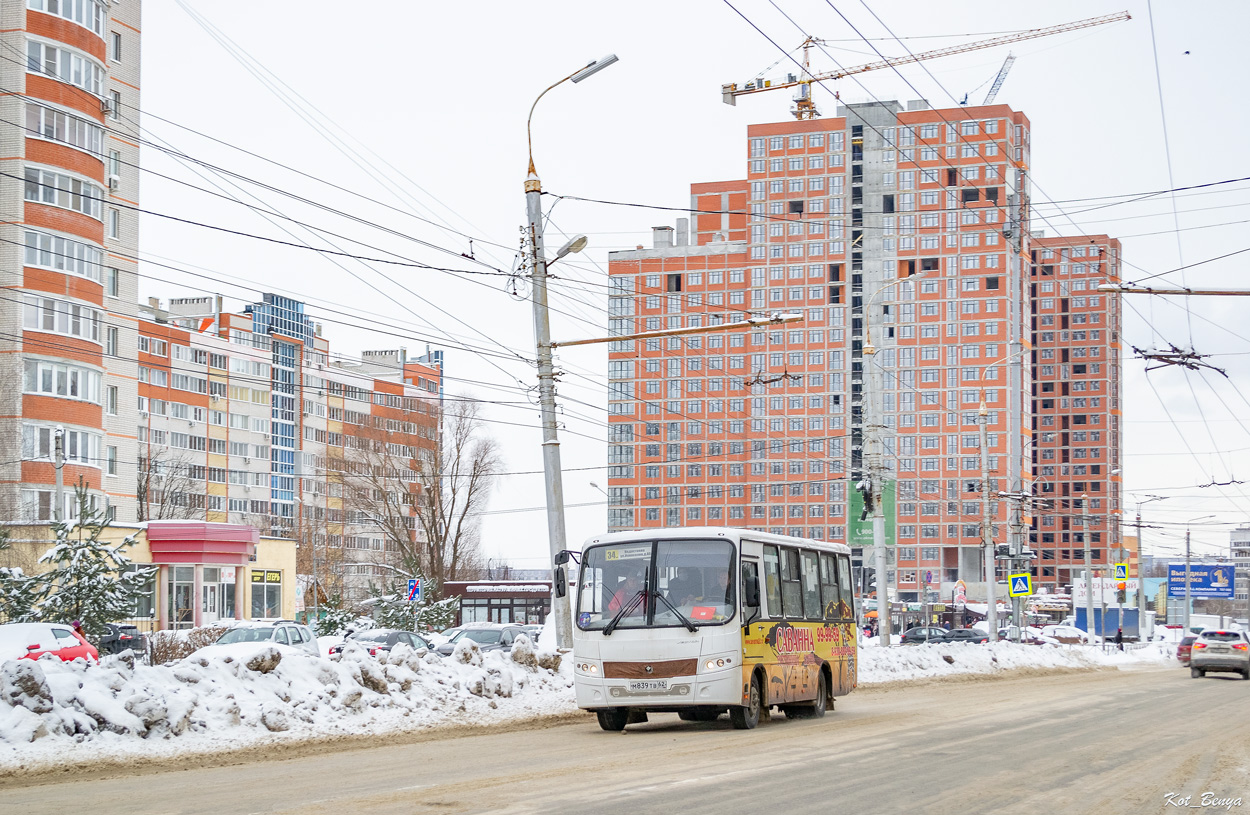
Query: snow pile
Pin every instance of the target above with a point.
(231, 697)
(877, 664)
(237, 698)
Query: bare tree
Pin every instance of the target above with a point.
(165, 487)
(424, 495)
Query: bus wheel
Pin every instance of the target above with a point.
(746, 717)
(613, 719)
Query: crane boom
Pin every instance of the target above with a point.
(804, 108)
(1000, 79)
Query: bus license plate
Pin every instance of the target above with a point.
(648, 685)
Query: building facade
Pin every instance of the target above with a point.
(69, 181)
(903, 229)
(1077, 381)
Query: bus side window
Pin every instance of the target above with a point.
(772, 582)
(791, 588)
(811, 585)
(844, 584)
(750, 576)
(829, 586)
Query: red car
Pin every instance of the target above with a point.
(33, 640)
(1184, 647)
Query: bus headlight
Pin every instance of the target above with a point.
(588, 668)
(716, 664)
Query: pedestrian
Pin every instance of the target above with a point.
(1119, 638)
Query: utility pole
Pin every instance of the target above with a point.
(552, 474)
(1089, 574)
(987, 529)
(876, 486)
(1141, 578)
(58, 461)
(1186, 628)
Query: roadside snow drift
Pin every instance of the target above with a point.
(217, 702)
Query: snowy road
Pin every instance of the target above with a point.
(1104, 742)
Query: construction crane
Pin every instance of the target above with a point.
(804, 108)
(998, 80)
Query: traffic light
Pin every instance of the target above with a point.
(865, 490)
(1121, 590)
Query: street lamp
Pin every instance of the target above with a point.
(987, 544)
(1187, 600)
(872, 425)
(546, 374)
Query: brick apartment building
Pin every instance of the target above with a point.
(908, 227)
(180, 413)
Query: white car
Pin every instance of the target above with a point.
(1068, 634)
(247, 635)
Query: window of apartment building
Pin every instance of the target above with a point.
(110, 459)
(115, 41)
(114, 223)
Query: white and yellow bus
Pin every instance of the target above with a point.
(702, 620)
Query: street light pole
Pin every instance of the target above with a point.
(1187, 597)
(552, 476)
(1089, 573)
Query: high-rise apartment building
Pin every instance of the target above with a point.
(247, 418)
(906, 228)
(1076, 405)
(69, 182)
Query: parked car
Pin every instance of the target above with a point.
(437, 638)
(1030, 635)
(1184, 647)
(921, 635)
(120, 637)
(966, 635)
(33, 640)
(381, 641)
(1219, 649)
(283, 633)
(488, 636)
(1067, 634)
(533, 631)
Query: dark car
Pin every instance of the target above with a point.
(1184, 647)
(922, 634)
(120, 637)
(488, 636)
(382, 640)
(966, 635)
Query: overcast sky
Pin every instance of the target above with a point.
(400, 132)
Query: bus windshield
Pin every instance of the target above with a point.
(656, 585)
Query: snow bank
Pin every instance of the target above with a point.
(878, 665)
(210, 703)
(119, 709)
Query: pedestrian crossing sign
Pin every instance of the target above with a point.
(1121, 571)
(1021, 585)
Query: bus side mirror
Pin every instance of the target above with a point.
(562, 557)
(561, 582)
(753, 591)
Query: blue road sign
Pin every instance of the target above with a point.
(1205, 580)
(1121, 571)
(414, 590)
(1021, 585)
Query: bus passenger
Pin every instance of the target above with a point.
(625, 594)
(683, 589)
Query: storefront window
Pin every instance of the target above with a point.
(181, 596)
(145, 606)
(266, 594)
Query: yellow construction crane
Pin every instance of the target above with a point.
(804, 108)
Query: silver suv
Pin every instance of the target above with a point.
(1220, 650)
(280, 632)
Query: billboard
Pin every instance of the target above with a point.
(1205, 580)
(859, 533)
